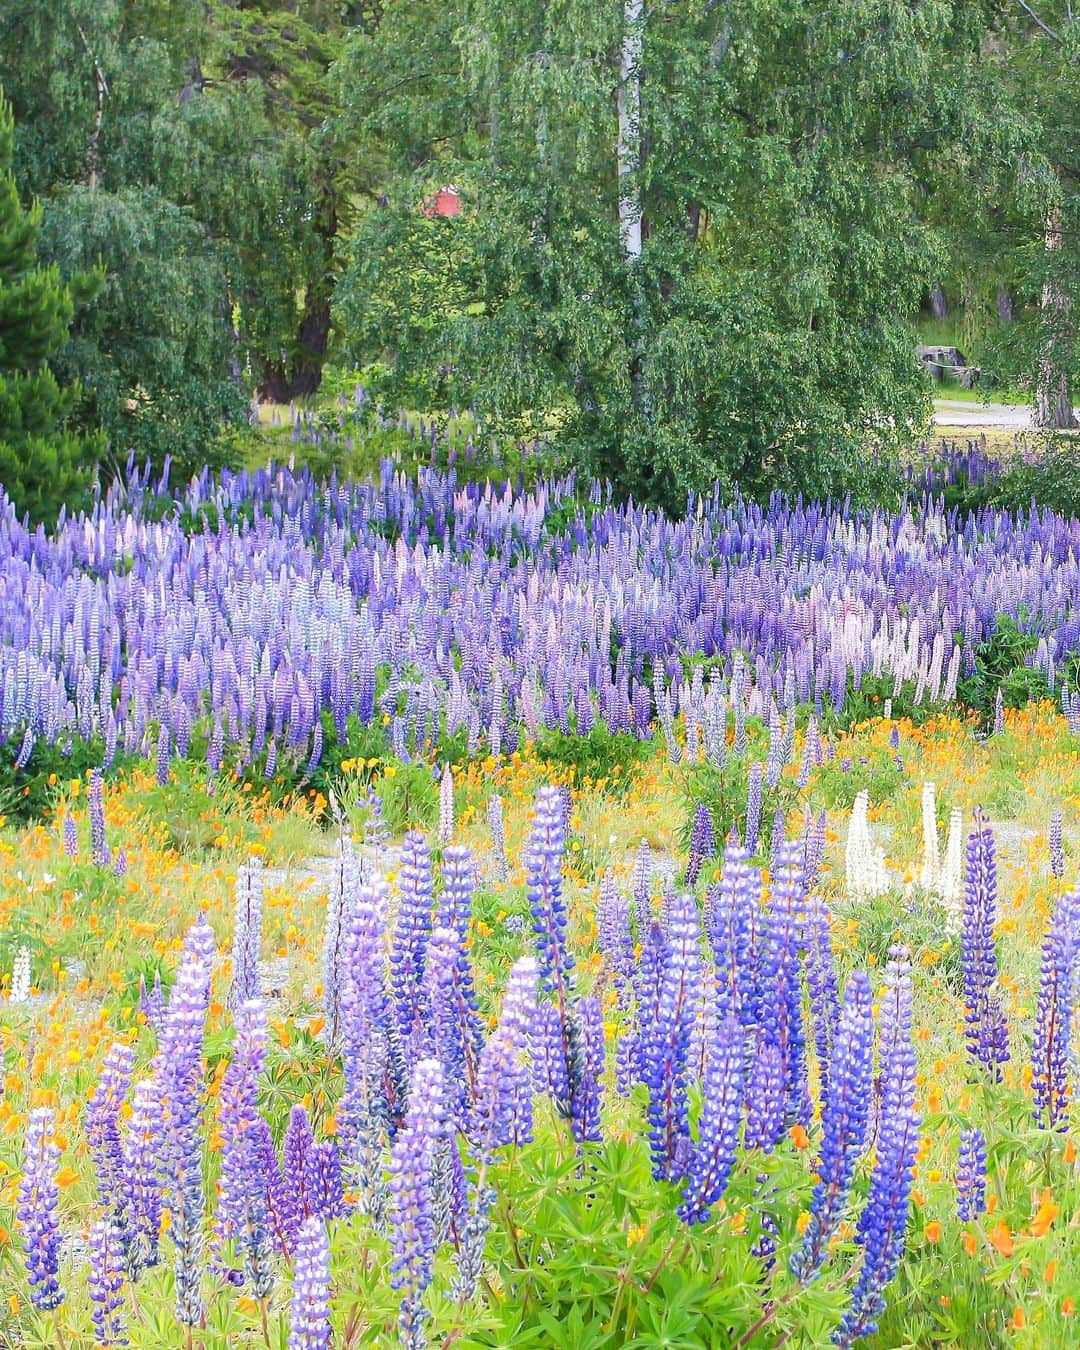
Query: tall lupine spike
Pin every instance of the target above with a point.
(408, 949)
(278, 1213)
(999, 713)
(666, 1043)
(822, 982)
(882, 1228)
(1054, 1015)
(753, 807)
(163, 748)
(412, 1230)
(247, 933)
(987, 1032)
(777, 837)
(309, 1311)
(702, 843)
(499, 863)
(101, 1124)
(37, 1210)
(732, 916)
(765, 1097)
(19, 990)
(344, 888)
(930, 875)
(298, 1169)
(843, 1125)
(71, 836)
(96, 801)
(364, 1112)
(585, 1099)
(952, 871)
(141, 1155)
(446, 805)
(454, 914)
(242, 1214)
(721, 1118)
(178, 1074)
(1057, 845)
(780, 1012)
(640, 887)
(105, 1282)
(616, 937)
(864, 864)
(971, 1175)
(328, 1186)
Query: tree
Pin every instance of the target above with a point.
(41, 465)
(692, 241)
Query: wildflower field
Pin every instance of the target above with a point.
(455, 913)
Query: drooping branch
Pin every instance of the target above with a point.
(1039, 23)
(102, 94)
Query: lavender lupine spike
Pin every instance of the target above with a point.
(882, 1228)
(732, 914)
(666, 1043)
(412, 1230)
(451, 986)
(765, 1095)
(721, 1119)
(616, 936)
(96, 801)
(242, 1211)
(500, 865)
(753, 807)
(585, 1098)
(247, 934)
(178, 1071)
(987, 1032)
(344, 888)
(298, 1169)
(1054, 1015)
(328, 1188)
(1057, 845)
(105, 1282)
(143, 1145)
(702, 843)
(408, 949)
(101, 1123)
(843, 1125)
(821, 980)
(71, 836)
(502, 1111)
(37, 1211)
(640, 887)
(971, 1175)
(278, 1214)
(780, 1011)
(163, 746)
(309, 1311)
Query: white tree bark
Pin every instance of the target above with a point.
(629, 147)
(1053, 407)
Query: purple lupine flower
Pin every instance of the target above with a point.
(101, 1123)
(105, 1282)
(364, 1111)
(547, 1043)
(502, 1111)
(454, 914)
(843, 1125)
(143, 1145)
(178, 1071)
(71, 836)
(1054, 1015)
(278, 1215)
(765, 1094)
(328, 1188)
(309, 1311)
(585, 1096)
(96, 800)
(498, 837)
(640, 886)
(732, 917)
(543, 868)
(753, 807)
(971, 1175)
(120, 863)
(152, 1001)
(721, 1118)
(615, 934)
(882, 1228)
(446, 805)
(37, 1211)
(666, 1043)
(702, 843)
(821, 980)
(298, 1169)
(777, 837)
(780, 1011)
(247, 933)
(242, 1211)
(1057, 845)
(408, 949)
(163, 754)
(987, 1032)
(344, 887)
(412, 1232)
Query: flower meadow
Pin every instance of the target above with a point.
(439, 913)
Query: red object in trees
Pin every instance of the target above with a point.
(445, 202)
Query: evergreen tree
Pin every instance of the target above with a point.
(41, 465)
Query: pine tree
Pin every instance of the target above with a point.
(41, 465)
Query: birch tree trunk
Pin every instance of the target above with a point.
(631, 211)
(1053, 407)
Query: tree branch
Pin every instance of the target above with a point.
(1055, 37)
